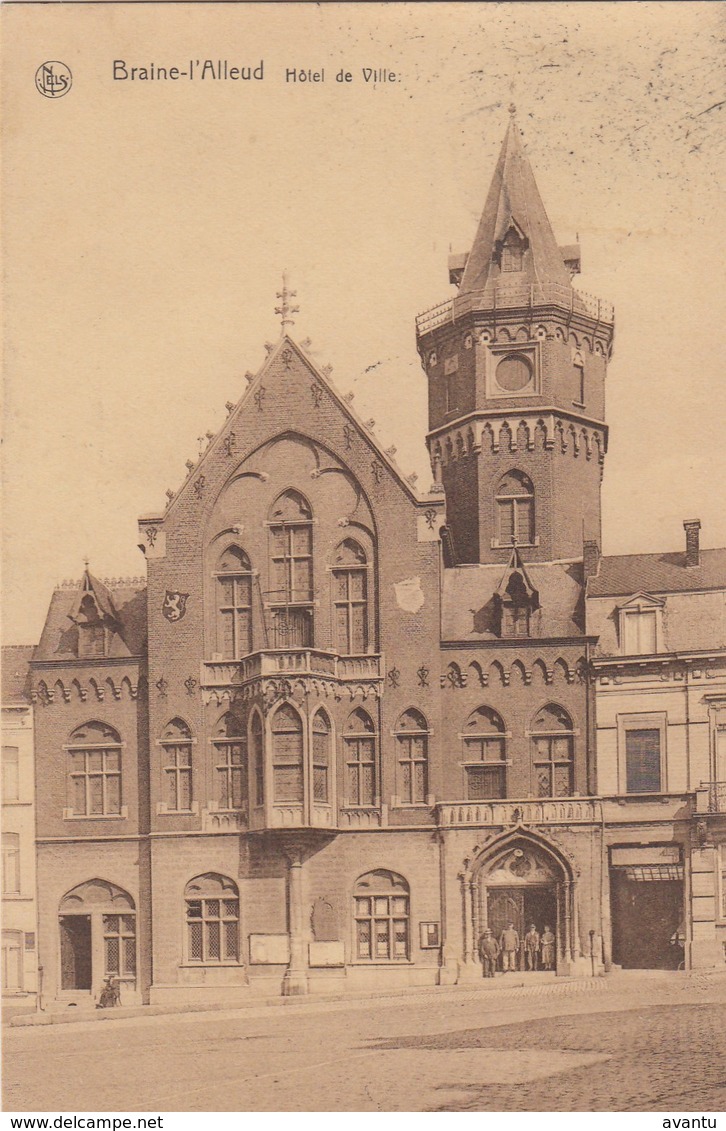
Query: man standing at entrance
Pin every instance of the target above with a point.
(509, 942)
(531, 948)
(488, 952)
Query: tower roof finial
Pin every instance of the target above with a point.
(285, 309)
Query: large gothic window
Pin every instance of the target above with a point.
(413, 758)
(553, 752)
(485, 755)
(234, 587)
(176, 742)
(287, 755)
(291, 595)
(231, 763)
(94, 752)
(211, 905)
(350, 581)
(381, 916)
(515, 510)
(321, 757)
(359, 742)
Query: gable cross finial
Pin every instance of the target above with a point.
(286, 309)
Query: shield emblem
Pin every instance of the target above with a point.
(174, 605)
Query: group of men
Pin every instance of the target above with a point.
(539, 949)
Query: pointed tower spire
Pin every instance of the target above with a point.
(514, 244)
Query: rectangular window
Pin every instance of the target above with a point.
(485, 783)
(178, 772)
(95, 782)
(232, 775)
(360, 757)
(639, 633)
(12, 962)
(11, 863)
(642, 761)
(11, 776)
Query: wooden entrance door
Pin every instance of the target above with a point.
(505, 906)
(76, 962)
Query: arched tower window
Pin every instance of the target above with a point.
(176, 742)
(94, 752)
(321, 757)
(381, 915)
(359, 740)
(485, 755)
(350, 581)
(211, 904)
(231, 763)
(287, 755)
(291, 596)
(413, 757)
(234, 587)
(553, 752)
(515, 510)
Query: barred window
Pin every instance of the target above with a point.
(413, 757)
(212, 919)
(291, 569)
(234, 584)
(359, 741)
(231, 763)
(177, 745)
(553, 752)
(484, 755)
(381, 917)
(94, 752)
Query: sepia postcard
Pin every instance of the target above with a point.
(364, 561)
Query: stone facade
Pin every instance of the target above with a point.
(342, 727)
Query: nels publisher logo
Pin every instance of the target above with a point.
(53, 79)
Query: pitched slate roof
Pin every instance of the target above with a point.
(15, 665)
(468, 604)
(624, 574)
(59, 639)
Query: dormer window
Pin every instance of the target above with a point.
(511, 249)
(640, 625)
(516, 599)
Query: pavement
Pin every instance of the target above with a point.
(626, 1042)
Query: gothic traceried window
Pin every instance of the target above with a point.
(484, 755)
(360, 740)
(321, 758)
(234, 587)
(412, 754)
(291, 595)
(287, 755)
(212, 920)
(381, 917)
(515, 510)
(94, 752)
(350, 582)
(553, 752)
(176, 743)
(231, 763)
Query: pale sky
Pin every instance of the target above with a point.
(147, 225)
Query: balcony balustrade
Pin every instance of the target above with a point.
(711, 797)
(554, 811)
(514, 297)
(291, 663)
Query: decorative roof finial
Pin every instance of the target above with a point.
(285, 309)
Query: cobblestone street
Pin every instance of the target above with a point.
(626, 1043)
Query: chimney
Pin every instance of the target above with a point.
(693, 551)
(590, 559)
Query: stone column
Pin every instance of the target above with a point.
(468, 967)
(576, 949)
(568, 919)
(476, 928)
(295, 980)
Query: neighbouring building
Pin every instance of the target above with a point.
(19, 922)
(342, 727)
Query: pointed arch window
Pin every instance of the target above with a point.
(321, 757)
(231, 763)
(287, 755)
(176, 742)
(515, 510)
(211, 904)
(553, 752)
(485, 755)
(360, 742)
(234, 588)
(350, 581)
(291, 596)
(381, 914)
(94, 752)
(412, 742)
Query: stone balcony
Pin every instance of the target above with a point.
(547, 811)
(272, 671)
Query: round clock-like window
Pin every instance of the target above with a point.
(514, 373)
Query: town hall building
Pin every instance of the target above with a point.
(341, 728)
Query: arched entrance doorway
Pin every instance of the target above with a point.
(524, 880)
(97, 923)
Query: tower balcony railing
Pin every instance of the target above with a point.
(510, 297)
(546, 811)
(285, 663)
